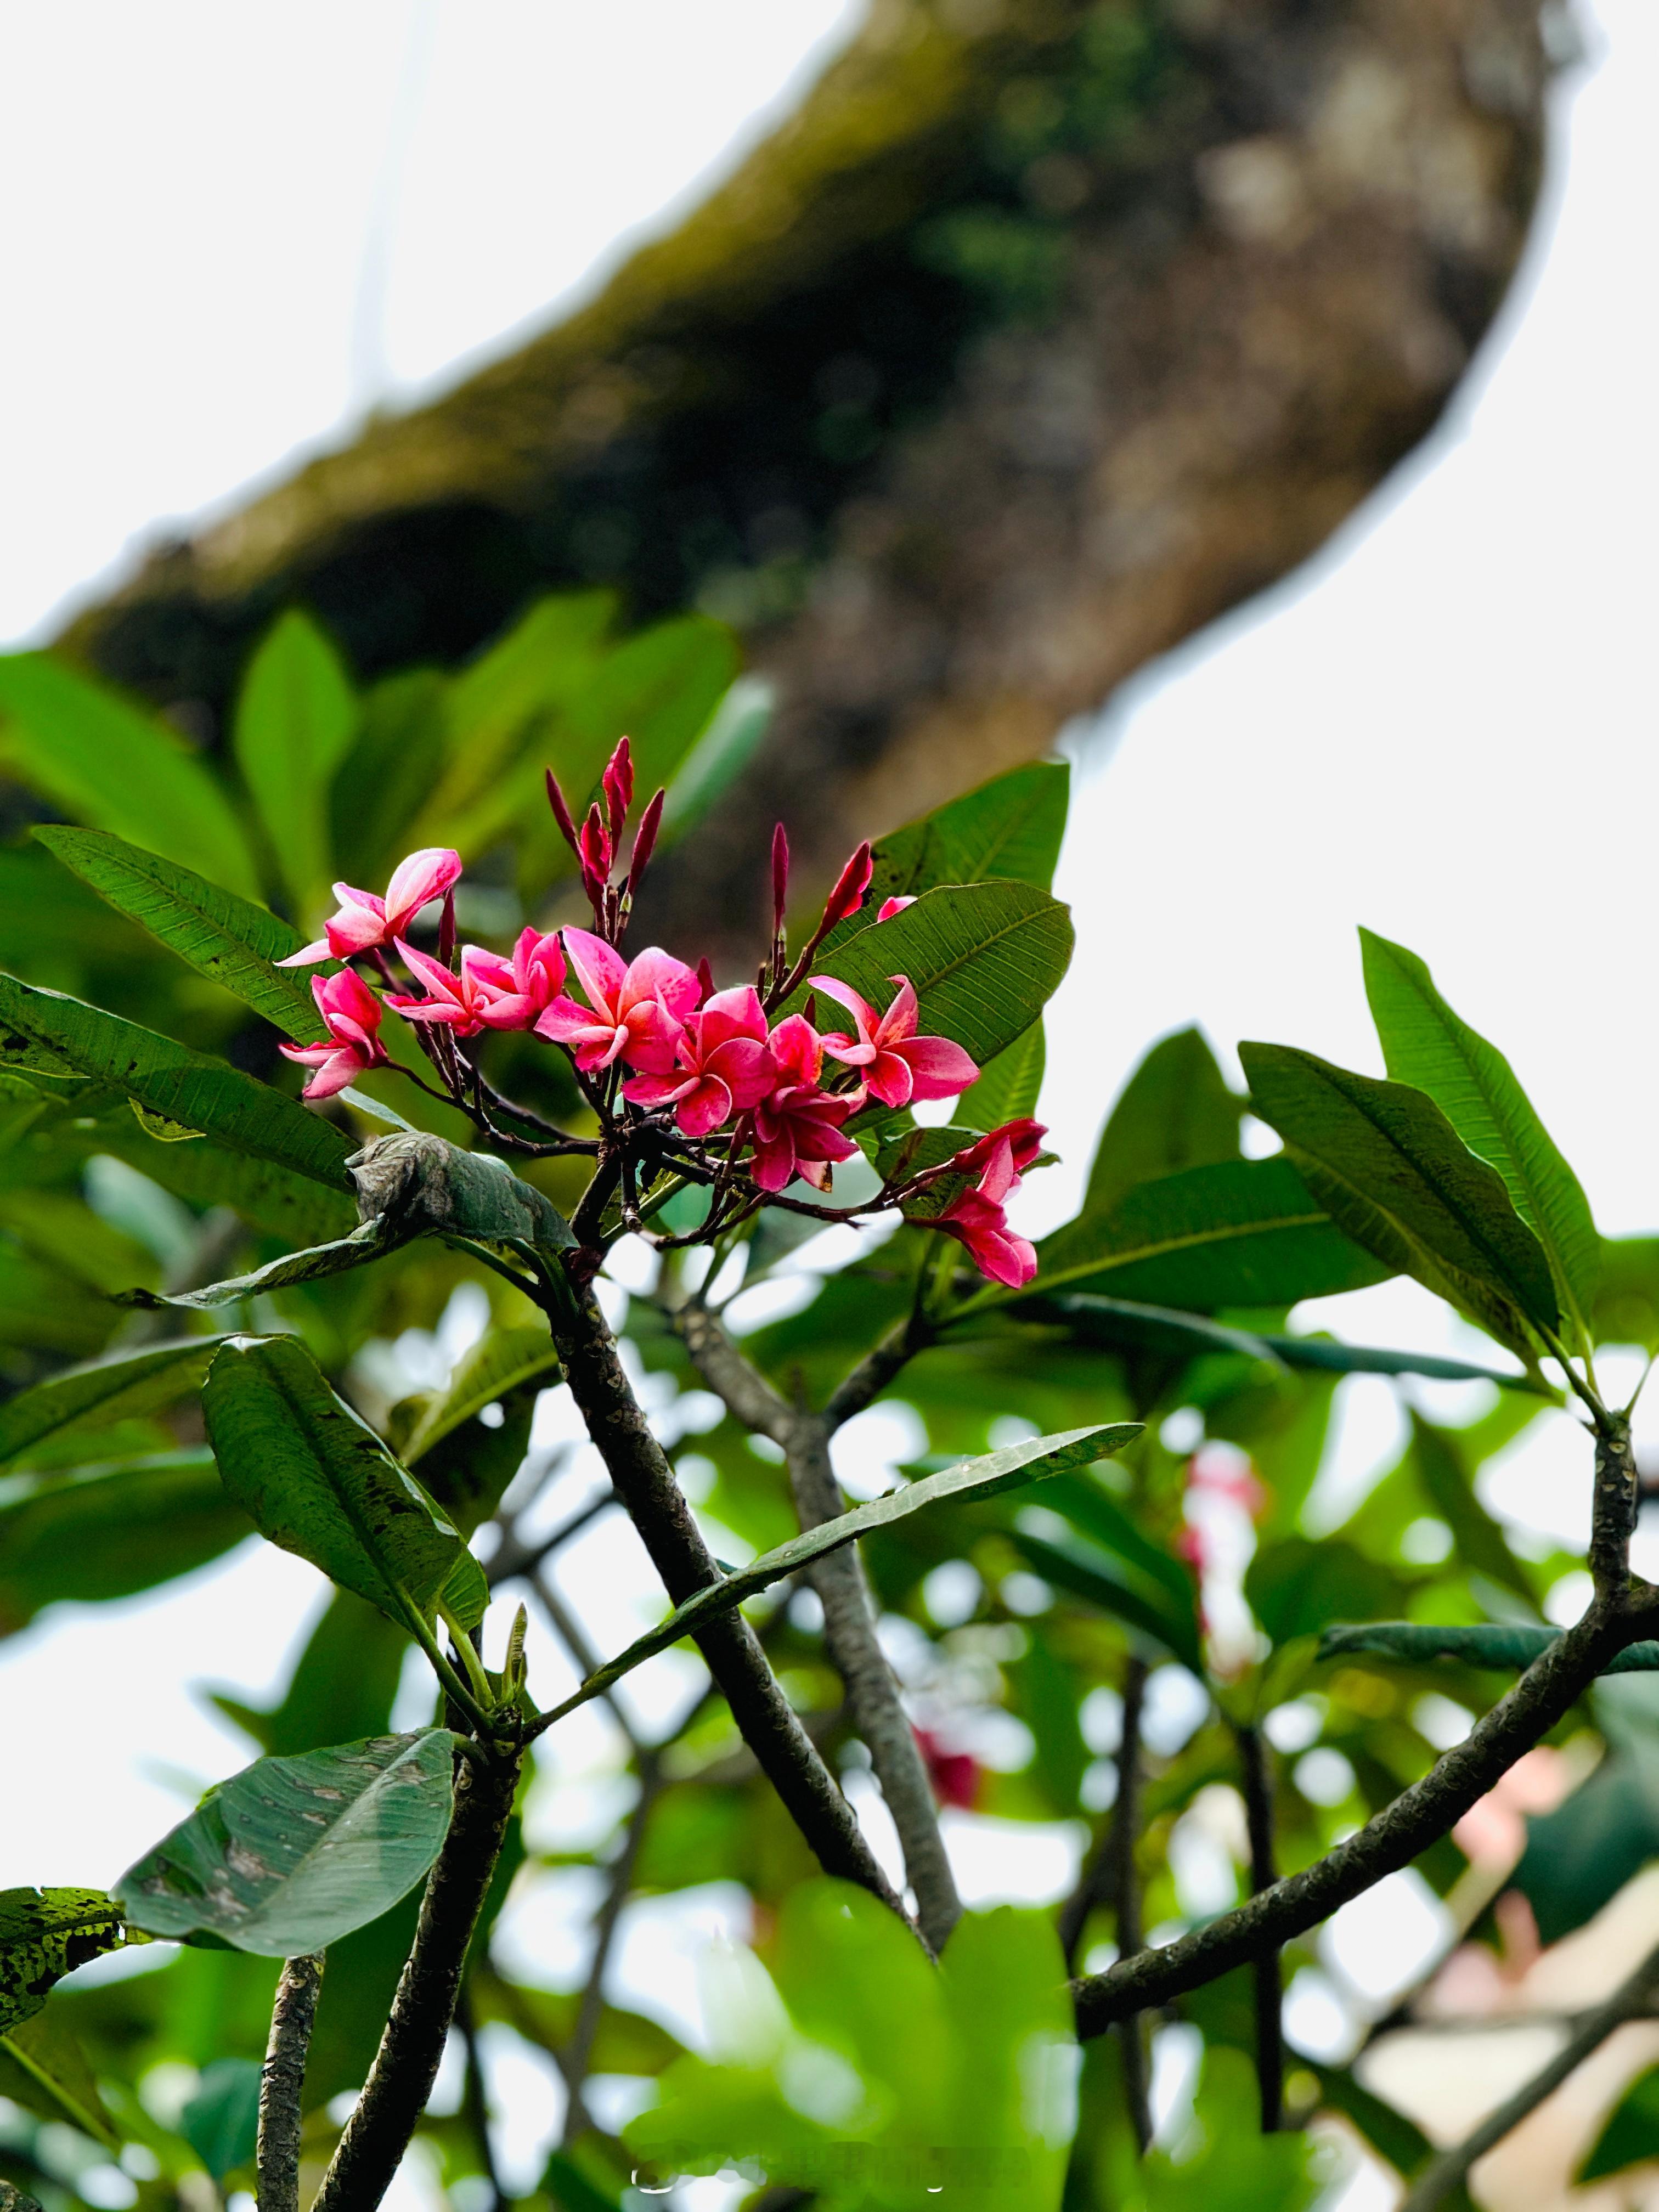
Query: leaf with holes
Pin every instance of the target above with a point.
(46, 1934)
(291, 1853)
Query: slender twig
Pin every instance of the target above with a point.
(658, 1508)
(1632, 2000)
(475, 2100)
(577, 2057)
(1110, 1878)
(849, 1613)
(406, 2064)
(283, 2079)
(514, 1559)
(1255, 1768)
(575, 1639)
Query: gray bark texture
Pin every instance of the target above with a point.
(1044, 332)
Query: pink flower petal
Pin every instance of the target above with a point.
(418, 880)
(601, 970)
(939, 1068)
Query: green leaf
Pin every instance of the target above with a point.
(1627, 1308)
(1119, 1324)
(370, 1240)
(118, 768)
(383, 782)
(108, 1531)
(44, 2068)
(291, 1853)
(1426, 1044)
(1399, 1178)
(501, 1361)
(1007, 1090)
(973, 1479)
(1238, 1233)
(1112, 1585)
(191, 1088)
(719, 755)
(294, 722)
(273, 1199)
(1631, 2135)
(114, 1390)
(1295, 1586)
(221, 2122)
(46, 1934)
(985, 959)
(1449, 1484)
(316, 1480)
(1501, 1647)
(1007, 830)
(1175, 1112)
(227, 938)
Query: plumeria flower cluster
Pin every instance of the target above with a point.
(738, 1090)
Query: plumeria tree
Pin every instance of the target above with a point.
(1115, 1492)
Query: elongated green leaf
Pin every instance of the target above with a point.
(1448, 1483)
(1502, 1648)
(221, 2122)
(1175, 1112)
(116, 1390)
(973, 1479)
(985, 958)
(1119, 1323)
(272, 1199)
(44, 2068)
(117, 768)
(1007, 830)
(1008, 1090)
(291, 1853)
(384, 780)
(1102, 1579)
(223, 937)
(501, 1361)
(316, 1480)
(1238, 1233)
(57, 1227)
(1630, 2135)
(1396, 1174)
(370, 1240)
(1425, 1043)
(294, 722)
(719, 755)
(191, 1088)
(1094, 1512)
(511, 691)
(46, 1934)
(110, 1530)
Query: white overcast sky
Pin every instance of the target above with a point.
(228, 231)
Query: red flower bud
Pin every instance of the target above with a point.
(851, 885)
(780, 877)
(561, 814)
(618, 786)
(645, 841)
(595, 848)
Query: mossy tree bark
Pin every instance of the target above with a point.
(1043, 333)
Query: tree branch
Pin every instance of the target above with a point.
(282, 2078)
(878, 1711)
(1632, 2000)
(878, 1368)
(1255, 1763)
(644, 1482)
(1390, 1840)
(1616, 1500)
(513, 1557)
(406, 2064)
(849, 1619)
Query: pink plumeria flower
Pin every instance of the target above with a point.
(889, 907)
(797, 1126)
(975, 1217)
(635, 1010)
(1024, 1140)
(489, 992)
(363, 921)
(351, 1014)
(899, 1066)
(722, 1065)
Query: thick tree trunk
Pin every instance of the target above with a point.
(1042, 334)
